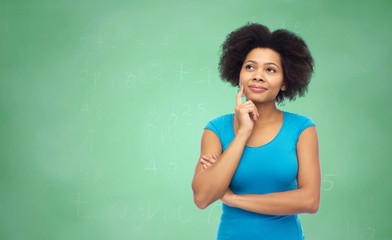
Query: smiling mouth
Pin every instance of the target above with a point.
(259, 90)
(255, 88)
(259, 87)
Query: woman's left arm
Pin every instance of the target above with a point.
(305, 199)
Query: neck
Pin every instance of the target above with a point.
(268, 112)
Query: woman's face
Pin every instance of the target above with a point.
(262, 75)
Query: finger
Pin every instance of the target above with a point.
(251, 108)
(204, 162)
(239, 95)
(252, 115)
(214, 157)
(248, 109)
(208, 159)
(255, 113)
(248, 103)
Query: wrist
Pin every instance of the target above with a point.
(229, 198)
(244, 133)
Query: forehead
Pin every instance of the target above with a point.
(263, 55)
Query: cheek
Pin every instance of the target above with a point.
(277, 81)
(243, 78)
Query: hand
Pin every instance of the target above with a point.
(227, 197)
(246, 112)
(208, 161)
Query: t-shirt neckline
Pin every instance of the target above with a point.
(270, 142)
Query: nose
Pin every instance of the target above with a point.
(258, 76)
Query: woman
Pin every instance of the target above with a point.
(261, 162)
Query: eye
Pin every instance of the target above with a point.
(271, 70)
(249, 67)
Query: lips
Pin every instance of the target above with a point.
(256, 87)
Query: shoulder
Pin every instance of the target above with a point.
(220, 125)
(298, 119)
(223, 118)
(297, 123)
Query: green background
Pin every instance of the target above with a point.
(103, 104)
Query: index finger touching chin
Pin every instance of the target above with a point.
(239, 95)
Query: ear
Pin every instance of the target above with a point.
(283, 88)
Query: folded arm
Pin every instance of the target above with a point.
(305, 199)
(211, 183)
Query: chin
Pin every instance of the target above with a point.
(258, 100)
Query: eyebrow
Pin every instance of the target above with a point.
(264, 63)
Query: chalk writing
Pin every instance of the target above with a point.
(214, 212)
(172, 169)
(156, 72)
(78, 203)
(151, 167)
(94, 175)
(130, 81)
(170, 133)
(370, 233)
(181, 73)
(206, 79)
(176, 212)
(148, 214)
(118, 211)
(327, 183)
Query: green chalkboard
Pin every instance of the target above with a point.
(103, 104)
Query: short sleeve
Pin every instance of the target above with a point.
(307, 122)
(211, 126)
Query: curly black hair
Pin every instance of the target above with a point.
(296, 59)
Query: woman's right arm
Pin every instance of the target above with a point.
(210, 184)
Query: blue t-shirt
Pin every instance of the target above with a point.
(269, 168)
